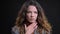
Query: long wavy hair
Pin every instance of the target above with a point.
(41, 19)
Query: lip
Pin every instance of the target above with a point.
(32, 19)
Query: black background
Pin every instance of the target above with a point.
(10, 9)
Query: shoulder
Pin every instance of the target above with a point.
(46, 32)
(15, 29)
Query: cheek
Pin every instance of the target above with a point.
(28, 15)
(36, 15)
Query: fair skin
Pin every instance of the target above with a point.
(31, 17)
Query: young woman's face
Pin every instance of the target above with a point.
(31, 14)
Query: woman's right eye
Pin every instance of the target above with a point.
(28, 11)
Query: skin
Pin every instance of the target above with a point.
(31, 17)
(32, 14)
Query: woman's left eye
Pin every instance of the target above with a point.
(36, 12)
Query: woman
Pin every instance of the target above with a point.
(31, 20)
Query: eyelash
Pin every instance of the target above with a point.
(34, 12)
(28, 12)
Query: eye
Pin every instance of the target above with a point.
(28, 11)
(36, 12)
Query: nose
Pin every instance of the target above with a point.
(32, 14)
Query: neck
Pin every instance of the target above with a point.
(28, 23)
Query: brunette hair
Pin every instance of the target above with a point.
(41, 19)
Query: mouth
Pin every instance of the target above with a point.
(32, 19)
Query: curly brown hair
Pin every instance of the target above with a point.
(41, 19)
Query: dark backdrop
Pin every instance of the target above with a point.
(10, 9)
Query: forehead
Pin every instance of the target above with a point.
(32, 8)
